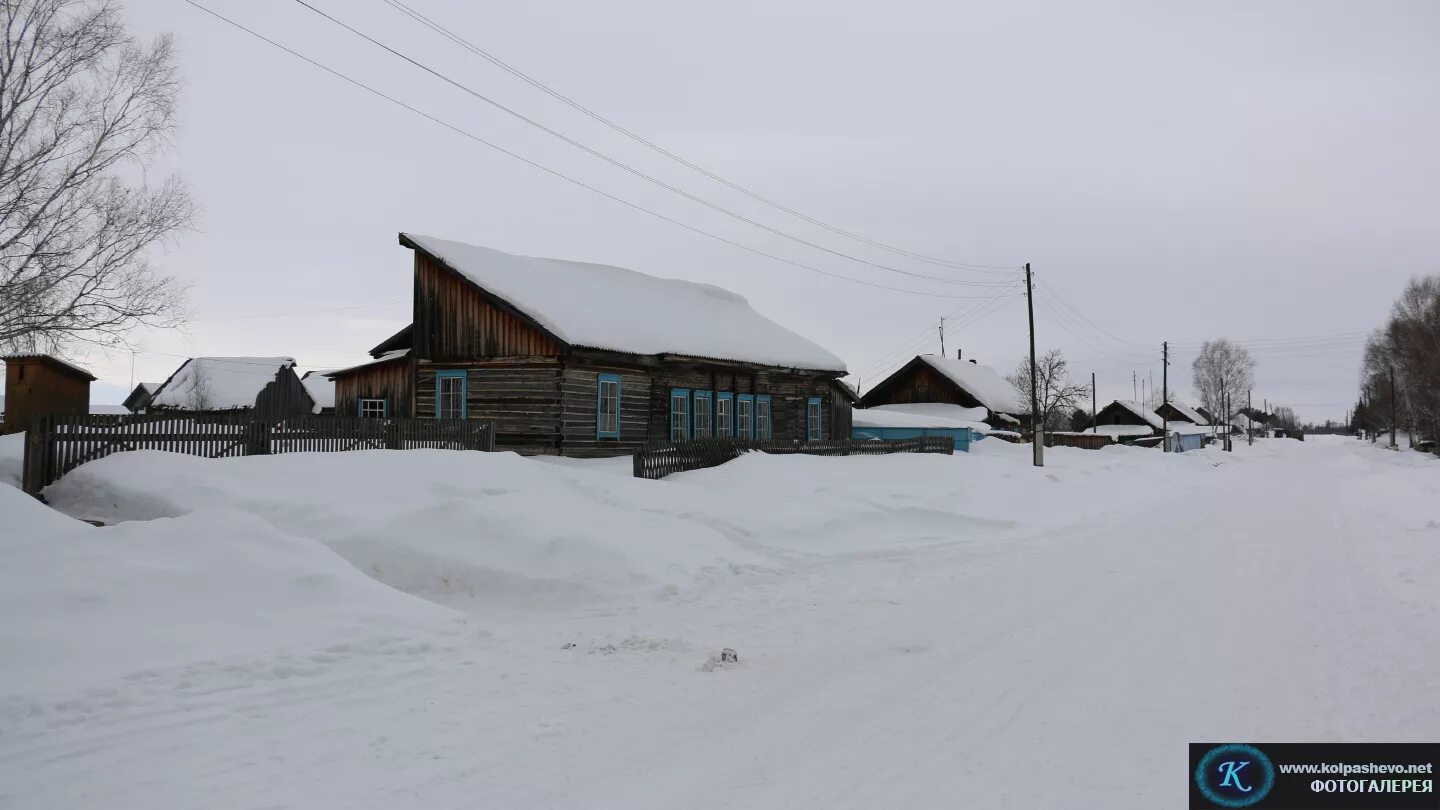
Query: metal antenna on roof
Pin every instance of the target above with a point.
(942, 335)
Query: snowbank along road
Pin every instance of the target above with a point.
(438, 630)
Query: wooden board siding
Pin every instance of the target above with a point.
(520, 395)
(579, 386)
(389, 381)
(34, 388)
(921, 383)
(455, 322)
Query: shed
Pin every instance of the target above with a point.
(139, 399)
(585, 359)
(930, 378)
(1126, 421)
(42, 385)
(267, 386)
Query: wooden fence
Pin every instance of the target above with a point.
(55, 445)
(659, 459)
(1085, 441)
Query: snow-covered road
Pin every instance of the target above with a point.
(1054, 642)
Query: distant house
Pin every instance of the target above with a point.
(589, 360)
(139, 398)
(321, 390)
(931, 378)
(1174, 411)
(1125, 420)
(266, 386)
(42, 385)
(1207, 416)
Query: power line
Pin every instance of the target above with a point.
(562, 176)
(298, 312)
(631, 169)
(553, 93)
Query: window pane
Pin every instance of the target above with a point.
(679, 417)
(609, 407)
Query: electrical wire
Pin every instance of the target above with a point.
(627, 167)
(561, 175)
(553, 93)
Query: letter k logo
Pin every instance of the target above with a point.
(1231, 771)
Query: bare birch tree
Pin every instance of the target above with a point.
(1222, 366)
(84, 109)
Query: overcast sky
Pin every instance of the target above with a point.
(1173, 171)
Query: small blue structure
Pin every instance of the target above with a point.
(962, 436)
(1181, 442)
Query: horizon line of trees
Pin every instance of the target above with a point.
(1400, 372)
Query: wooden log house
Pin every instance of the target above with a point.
(930, 378)
(582, 359)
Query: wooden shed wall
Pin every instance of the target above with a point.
(454, 322)
(389, 381)
(580, 389)
(35, 388)
(521, 396)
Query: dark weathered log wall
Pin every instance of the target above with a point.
(580, 390)
(521, 396)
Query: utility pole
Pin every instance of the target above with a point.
(1165, 386)
(1094, 411)
(1249, 426)
(1134, 390)
(1037, 439)
(942, 336)
(1393, 445)
(1224, 409)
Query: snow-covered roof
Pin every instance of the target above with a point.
(1188, 412)
(320, 387)
(921, 415)
(984, 383)
(149, 388)
(603, 307)
(219, 383)
(52, 359)
(1187, 428)
(1151, 418)
(1122, 430)
(384, 358)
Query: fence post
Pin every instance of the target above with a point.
(392, 435)
(258, 442)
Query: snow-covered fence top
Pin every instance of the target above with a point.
(56, 445)
(660, 459)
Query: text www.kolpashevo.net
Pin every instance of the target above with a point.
(1314, 776)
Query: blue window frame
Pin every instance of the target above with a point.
(745, 416)
(814, 420)
(764, 429)
(607, 406)
(450, 394)
(372, 408)
(679, 414)
(703, 418)
(724, 414)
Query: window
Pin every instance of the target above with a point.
(607, 407)
(724, 413)
(744, 415)
(762, 416)
(814, 420)
(679, 414)
(372, 409)
(450, 394)
(703, 416)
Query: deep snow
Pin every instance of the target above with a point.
(913, 631)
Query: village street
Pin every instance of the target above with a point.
(1011, 637)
